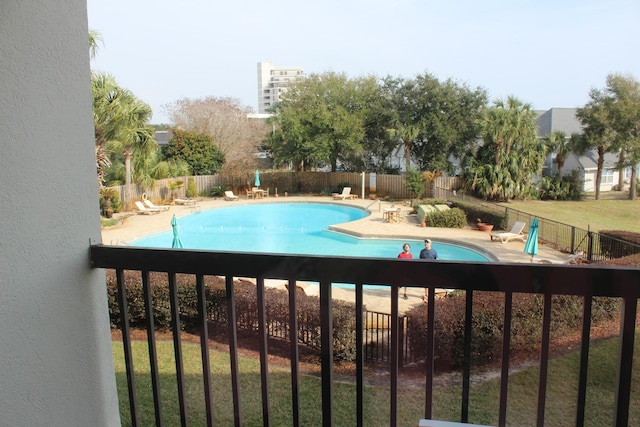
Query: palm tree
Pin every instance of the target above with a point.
(94, 38)
(507, 123)
(121, 123)
(135, 135)
(407, 134)
(557, 141)
(511, 153)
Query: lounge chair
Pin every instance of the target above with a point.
(185, 201)
(142, 209)
(228, 195)
(514, 234)
(573, 259)
(346, 194)
(150, 205)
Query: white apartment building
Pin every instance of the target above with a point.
(273, 81)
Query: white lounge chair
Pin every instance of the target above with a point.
(573, 259)
(228, 195)
(142, 209)
(185, 202)
(514, 234)
(346, 194)
(150, 205)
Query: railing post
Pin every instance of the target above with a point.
(625, 359)
(589, 244)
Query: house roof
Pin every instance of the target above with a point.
(589, 161)
(163, 137)
(563, 119)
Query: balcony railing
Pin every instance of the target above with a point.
(546, 280)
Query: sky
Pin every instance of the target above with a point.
(549, 53)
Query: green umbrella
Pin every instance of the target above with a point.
(531, 246)
(177, 243)
(257, 178)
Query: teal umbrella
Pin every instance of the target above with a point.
(257, 178)
(177, 243)
(531, 245)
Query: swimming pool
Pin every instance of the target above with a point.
(289, 228)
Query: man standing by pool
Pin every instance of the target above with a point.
(428, 252)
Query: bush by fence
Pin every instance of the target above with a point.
(487, 324)
(488, 213)
(344, 327)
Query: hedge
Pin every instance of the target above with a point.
(487, 324)
(485, 213)
(276, 301)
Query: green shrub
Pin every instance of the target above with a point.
(414, 182)
(487, 324)
(570, 188)
(218, 190)
(488, 214)
(192, 190)
(452, 218)
(276, 302)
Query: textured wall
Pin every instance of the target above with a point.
(56, 366)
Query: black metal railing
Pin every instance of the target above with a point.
(547, 280)
(563, 237)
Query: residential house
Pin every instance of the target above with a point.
(564, 119)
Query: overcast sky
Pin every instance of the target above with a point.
(549, 53)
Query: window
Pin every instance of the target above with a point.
(607, 176)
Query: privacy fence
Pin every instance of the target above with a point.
(282, 182)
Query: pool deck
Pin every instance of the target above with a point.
(134, 226)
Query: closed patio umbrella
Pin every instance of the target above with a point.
(531, 245)
(257, 178)
(177, 243)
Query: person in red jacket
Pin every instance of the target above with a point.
(405, 252)
(406, 248)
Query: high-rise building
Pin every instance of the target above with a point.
(273, 81)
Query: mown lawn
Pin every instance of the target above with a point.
(604, 214)
(560, 406)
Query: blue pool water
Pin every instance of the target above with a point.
(290, 228)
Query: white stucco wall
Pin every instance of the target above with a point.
(56, 367)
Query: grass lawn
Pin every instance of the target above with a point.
(612, 212)
(560, 407)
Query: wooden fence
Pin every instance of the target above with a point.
(282, 182)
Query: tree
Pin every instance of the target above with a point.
(511, 153)
(598, 132)
(225, 120)
(121, 124)
(321, 119)
(450, 114)
(135, 137)
(624, 114)
(557, 141)
(196, 149)
(94, 38)
(405, 121)
(107, 117)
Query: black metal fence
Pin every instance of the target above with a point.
(506, 279)
(563, 237)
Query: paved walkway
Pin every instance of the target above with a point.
(136, 226)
